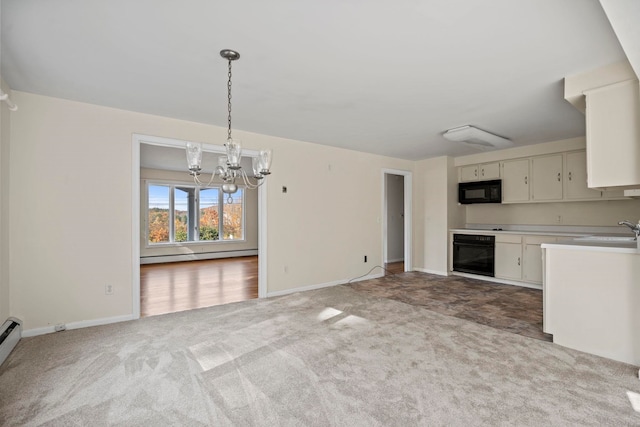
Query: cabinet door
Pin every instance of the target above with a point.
(515, 181)
(469, 173)
(613, 135)
(576, 178)
(532, 263)
(508, 261)
(546, 177)
(489, 171)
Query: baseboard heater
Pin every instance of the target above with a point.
(10, 334)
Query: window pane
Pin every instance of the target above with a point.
(158, 215)
(209, 215)
(232, 216)
(181, 215)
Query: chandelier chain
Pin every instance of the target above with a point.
(230, 170)
(229, 102)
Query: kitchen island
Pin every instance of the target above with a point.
(591, 297)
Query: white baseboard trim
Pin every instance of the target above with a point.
(196, 257)
(426, 270)
(77, 325)
(321, 285)
(501, 281)
(394, 260)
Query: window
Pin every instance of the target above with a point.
(179, 213)
(158, 231)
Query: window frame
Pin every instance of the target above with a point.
(222, 198)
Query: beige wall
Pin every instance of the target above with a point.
(5, 133)
(251, 221)
(436, 210)
(330, 217)
(71, 199)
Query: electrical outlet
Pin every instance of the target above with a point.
(108, 289)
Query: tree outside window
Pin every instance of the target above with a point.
(179, 213)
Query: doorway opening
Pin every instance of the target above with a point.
(397, 202)
(193, 246)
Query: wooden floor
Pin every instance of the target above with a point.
(179, 286)
(394, 267)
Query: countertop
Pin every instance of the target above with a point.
(571, 234)
(492, 232)
(630, 247)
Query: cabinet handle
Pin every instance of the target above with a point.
(569, 176)
(558, 176)
(518, 260)
(482, 171)
(475, 173)
(525, 180)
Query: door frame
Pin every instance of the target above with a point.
(408, 203)
(136, 228)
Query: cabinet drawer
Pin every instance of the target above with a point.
(508, 238)
(538, 240)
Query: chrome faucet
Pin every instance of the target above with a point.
(634, 227)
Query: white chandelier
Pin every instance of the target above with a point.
(228, 167)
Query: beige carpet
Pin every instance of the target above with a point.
(325, 357)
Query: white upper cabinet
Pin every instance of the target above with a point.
(558, 177)
(468, 173)
(489, 171)
(546, 178)
(481, 172)
(515, 181)
(613, 135)
(576, 178)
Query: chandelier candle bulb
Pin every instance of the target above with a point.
(265, 162)
(256, 166)
(234, 153)
(194, 157)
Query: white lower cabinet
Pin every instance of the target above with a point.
(519, 257)
(508, 257)
(532, 257)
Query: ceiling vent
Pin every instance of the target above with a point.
(477, 138)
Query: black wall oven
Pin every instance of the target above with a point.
(474, 254)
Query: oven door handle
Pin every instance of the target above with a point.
(476, 245)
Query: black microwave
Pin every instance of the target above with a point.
(480, 192)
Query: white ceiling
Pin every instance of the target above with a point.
(371, 75)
